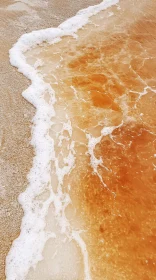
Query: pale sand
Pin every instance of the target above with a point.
(15, 113)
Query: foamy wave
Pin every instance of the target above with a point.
(27, 249)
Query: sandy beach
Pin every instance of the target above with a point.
(87, 187)
(104, 84)
(15, 112)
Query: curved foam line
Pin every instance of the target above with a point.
(27, 249)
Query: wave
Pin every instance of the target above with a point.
(26, 250)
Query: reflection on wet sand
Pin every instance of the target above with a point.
(105, 85)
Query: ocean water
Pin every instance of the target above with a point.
(89, 209)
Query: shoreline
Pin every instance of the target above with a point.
(90, 201)
(16, 112)
(40, 175)
(103, 192)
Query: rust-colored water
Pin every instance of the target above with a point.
(107, 77)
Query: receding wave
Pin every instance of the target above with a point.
(89, 207)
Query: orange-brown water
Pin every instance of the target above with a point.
(107, 77)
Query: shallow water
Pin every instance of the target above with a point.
(103, 172)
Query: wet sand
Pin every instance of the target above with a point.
(106, 78)
(15, 113)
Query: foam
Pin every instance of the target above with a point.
(27, 249)
(92, 142)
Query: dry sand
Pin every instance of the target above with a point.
(15, 113)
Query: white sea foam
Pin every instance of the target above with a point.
(92, 142)
(27, 249)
